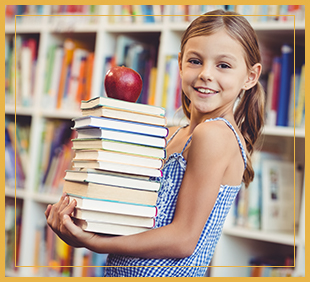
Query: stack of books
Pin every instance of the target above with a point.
(119, 154)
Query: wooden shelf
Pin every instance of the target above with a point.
(285, 238)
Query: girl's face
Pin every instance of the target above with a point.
(213, 72)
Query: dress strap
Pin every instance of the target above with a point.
(237, 137)
(175, 133)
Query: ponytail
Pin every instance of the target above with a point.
(249, 116)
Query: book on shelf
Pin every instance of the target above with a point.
(108, 228)
(273, 93)
(68, 74)
(110, 193)
(117, 146)
(120, 125)
(117, 135)
(271, 266)
(110, 156)
(300, 99)
(117, 167)
(107, 102)
(278, 195)
(171, 97)
(12, 226)
(115, 179)
(287, 68)
(55, 154)
(102, 205)
(254, 207)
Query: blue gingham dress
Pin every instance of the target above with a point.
(196, 264)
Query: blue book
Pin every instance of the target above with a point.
(147, 10)
(285, 85)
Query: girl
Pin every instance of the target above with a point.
(208, 159)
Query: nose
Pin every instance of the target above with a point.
(206, 74)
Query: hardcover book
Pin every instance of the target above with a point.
(118, 146)
(123, 136)
(118, 167)
(110, 156)
(114, 179)
(122, 125)
(114, 207)
(114, 218)
(98, 102)
(111, 193)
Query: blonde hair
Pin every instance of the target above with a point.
(249, 113)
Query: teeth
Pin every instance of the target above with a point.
(206, 91)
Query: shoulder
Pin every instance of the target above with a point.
(213, 140)
(214, 131)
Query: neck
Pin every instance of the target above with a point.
(197, 118)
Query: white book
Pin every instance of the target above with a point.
(114, 207)
(103, 155)
(277, 195)
(115, 218)
(95, 132)
(118, 146)
(114, 179)
(123, 125)
(109, 228)
(125, 105)
(117, 167)
(26, 69)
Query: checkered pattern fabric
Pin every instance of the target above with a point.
(196, 264)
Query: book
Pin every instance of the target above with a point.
(103, 155)
(300, 103)
(115, 179)
(117, 135)
(114, 218)
(109, 192)
(127, 106)
(122, 125)
(125, 115)
(285, 80)
(118, 146)
(276, 73)
(114, 207)
(109, 228)
(117, 167)
(277, 195)
(66, 62)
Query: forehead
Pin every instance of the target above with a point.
(219, 41)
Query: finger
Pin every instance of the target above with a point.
(70, 226)
(47, 211)
(68, 209)
(64, 203)
(54, 210)
(58, 204)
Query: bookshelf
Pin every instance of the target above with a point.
(101, 35)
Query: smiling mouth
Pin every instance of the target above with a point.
(206, 91)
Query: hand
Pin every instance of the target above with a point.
(58, 218)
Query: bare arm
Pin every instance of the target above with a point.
(196, 198)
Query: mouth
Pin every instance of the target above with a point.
(206, 90)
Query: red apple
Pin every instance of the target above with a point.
(123, 83)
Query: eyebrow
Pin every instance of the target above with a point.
(220, 56)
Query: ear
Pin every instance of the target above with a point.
(180, 63)
(253, 76)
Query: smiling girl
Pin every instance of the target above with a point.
(208, 159)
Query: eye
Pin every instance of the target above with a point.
(224, 66)
(194, 61)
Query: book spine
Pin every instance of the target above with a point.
(286, 72)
